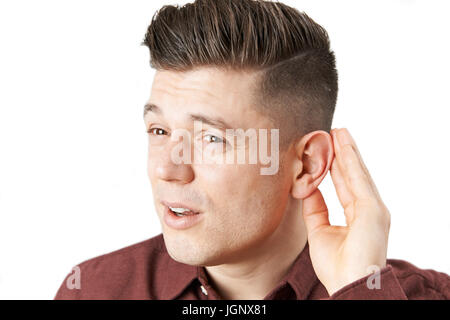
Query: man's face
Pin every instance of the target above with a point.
(239, 207)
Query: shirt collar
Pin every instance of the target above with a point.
(301, 276)
(178, 277)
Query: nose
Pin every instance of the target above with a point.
(166, 169)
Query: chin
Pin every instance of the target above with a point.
(188, 251)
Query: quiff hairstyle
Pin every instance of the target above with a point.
(298, 82)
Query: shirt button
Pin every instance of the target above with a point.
(204, 290)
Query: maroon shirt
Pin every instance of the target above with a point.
(146, 271)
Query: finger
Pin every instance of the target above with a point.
(363, 165)
(315, 212)
(344, 195)
(351, 167)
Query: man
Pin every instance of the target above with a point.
(241, 230)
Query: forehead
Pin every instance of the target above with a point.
(213, 91)
(205, 82)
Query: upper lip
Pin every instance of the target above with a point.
(179, 205)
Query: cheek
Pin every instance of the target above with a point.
(241, 196)
(150, 165)
(227, 183)
(150, 172)
(153, 157)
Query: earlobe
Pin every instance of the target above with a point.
(303, 187)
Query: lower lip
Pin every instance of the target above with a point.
(180, 223)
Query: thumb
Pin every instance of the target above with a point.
(315, 212)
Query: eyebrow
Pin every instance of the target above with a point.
(150, 107)
(215, 122)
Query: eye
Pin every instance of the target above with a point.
(213, 139)
(157, 131)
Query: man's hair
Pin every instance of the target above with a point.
(298, 81)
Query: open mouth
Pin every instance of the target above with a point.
(182, 212)
(180, 215)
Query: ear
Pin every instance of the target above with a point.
(314, 156)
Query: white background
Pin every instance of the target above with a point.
(73, 82)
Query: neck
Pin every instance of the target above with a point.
(263, 267)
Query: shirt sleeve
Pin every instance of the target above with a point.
(412, 283)
(366, 288)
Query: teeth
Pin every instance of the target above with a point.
(179, 210)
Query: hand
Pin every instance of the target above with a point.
(343, 254)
